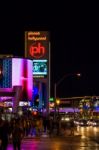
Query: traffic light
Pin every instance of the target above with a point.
(36, 100)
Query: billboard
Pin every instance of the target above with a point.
(37, 44)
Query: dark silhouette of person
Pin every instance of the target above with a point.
(1, 123)
(4, 133)
(51, 126)
(72, 126)
(17, 134)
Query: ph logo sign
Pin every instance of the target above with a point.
(37, 50)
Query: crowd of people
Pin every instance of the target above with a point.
(18, 128)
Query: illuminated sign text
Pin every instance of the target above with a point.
(37, 50)
(35, 36)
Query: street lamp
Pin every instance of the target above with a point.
(58, 103)
(58, 82)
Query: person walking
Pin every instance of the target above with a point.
(72, 127)
(4, 134)
(17, 134)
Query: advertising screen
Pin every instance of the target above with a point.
(39, 67)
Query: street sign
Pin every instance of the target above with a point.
(51, 99)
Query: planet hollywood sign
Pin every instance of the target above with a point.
(37, 50)
(37, 44)
(36, 36)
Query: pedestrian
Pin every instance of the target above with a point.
(1, 123)
(45, 124)
(72, 127)
(51, 126)
(4, 134)
(17, 135)
(58, 125)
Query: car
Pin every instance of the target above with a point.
(76, 122)
(89, 122)
(95, 123)
(83, 122)
(65, 119)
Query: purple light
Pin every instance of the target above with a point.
(6, 89)
(30, 79)
(67, 110)
(22, 75)
(16, 71)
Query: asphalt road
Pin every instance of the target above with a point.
(92, 133)
(77, 142)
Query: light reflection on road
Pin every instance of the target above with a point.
(73, 143)
(88, 131)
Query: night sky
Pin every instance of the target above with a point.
(74, 45)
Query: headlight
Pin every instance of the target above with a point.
(94, 123)
(67, 119)
(62, 119)
(81, 123)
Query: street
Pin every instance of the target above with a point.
(90, 132)
(84, 142)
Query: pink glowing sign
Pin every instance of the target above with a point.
(22, 76)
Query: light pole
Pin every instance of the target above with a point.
(58, 82)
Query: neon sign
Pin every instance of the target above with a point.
(37, 44)
(37, 50)
(36, 36)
